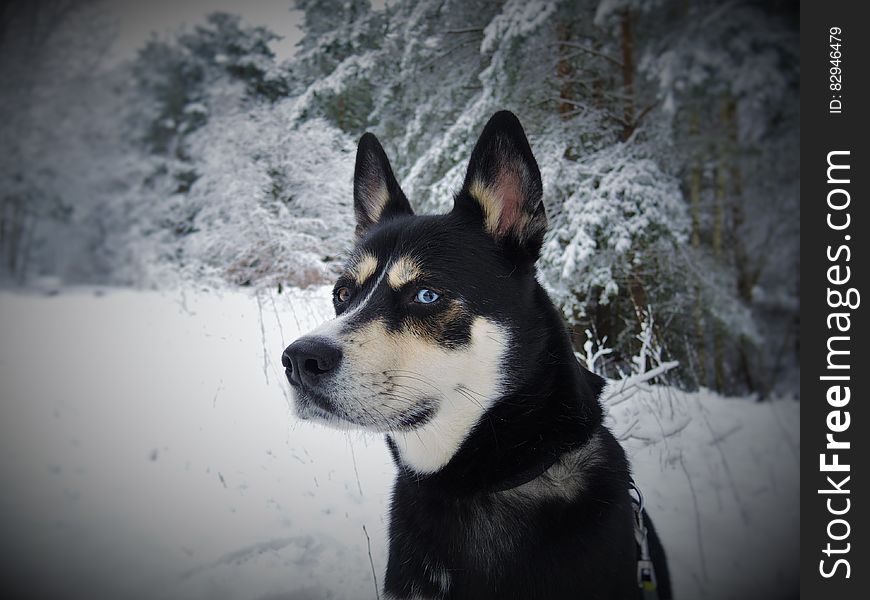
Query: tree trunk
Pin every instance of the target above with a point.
(695, 209)
(747, 274)
(719, 210)
(718, 237)
(598, 86)
(627, 37)
(26, 244)
(4, 203)
(15, 227)
(638, 298)
(746, 279)
(565, 72)
(719, 356)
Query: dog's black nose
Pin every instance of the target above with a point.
(307, 360)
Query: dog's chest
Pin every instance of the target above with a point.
(452, 547)
(556, 535)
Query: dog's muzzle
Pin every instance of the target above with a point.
(309, 361)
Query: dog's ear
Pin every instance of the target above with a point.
(376, 193)
(503, 186)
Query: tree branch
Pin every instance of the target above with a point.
(448, 51)
(644, 112)
(466, 30)
(617, 394)
(585, 50)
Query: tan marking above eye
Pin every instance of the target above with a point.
(364, 267)
(402, 271)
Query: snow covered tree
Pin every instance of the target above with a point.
(728, 75)
(665, 131)
(49, 54)
(637, 111)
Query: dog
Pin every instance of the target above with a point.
(509, 485)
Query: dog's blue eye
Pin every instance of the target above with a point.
(425, 296)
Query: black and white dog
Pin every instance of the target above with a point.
(509, 485)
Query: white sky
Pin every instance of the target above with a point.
(137, 19)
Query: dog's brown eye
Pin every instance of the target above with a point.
(342, 294)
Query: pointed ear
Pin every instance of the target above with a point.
(503, 186)
(376, 193)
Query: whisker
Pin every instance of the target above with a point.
(468, 396)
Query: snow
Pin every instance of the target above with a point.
(148, 450)
(720, 479)
(517, 18)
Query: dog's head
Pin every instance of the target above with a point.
(428, 306)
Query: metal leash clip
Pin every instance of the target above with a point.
(646, 573)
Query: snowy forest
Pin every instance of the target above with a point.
(666, 131)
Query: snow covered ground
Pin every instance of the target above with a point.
(147, 450)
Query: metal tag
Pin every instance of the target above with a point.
(646, 575)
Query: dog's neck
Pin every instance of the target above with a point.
(520, 435)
